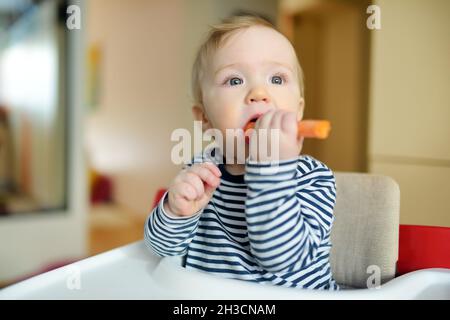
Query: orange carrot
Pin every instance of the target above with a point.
(307, 128)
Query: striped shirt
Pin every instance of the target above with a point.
(271, 226)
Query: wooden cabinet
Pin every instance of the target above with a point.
(409, 113)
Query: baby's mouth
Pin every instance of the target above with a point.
(250, 125)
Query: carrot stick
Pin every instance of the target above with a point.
(307, 128)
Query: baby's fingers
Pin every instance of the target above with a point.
(208, 173)
(264, 121)
(213, 168)
(195, 182)
(186, 191)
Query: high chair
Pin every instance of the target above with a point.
(365, 239)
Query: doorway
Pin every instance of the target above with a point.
(332, 43)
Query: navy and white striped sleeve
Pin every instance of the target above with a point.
(167, 235)
(289, 211)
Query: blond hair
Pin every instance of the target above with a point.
(216, 37)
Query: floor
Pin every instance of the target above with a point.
(111, 227)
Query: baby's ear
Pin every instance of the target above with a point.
(301, 108)
(200, 115)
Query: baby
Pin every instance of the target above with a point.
(250, 221)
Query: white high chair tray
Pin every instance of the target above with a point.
(132, 272)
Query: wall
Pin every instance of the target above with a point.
(142, 96)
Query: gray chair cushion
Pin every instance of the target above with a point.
(366, 228)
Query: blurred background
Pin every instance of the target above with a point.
(86, 113)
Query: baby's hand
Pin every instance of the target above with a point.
(192, 189)
(290, 145)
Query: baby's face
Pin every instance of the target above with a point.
(253, 73)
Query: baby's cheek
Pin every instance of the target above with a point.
(289, 99)
(228, 118)
(289, 105)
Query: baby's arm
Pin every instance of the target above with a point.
(171, 226)
(288, 212)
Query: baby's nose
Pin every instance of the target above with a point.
(258, 95)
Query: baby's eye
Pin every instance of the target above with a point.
(234, 81)
(277, 80)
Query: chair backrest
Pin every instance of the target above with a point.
(365, 233)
